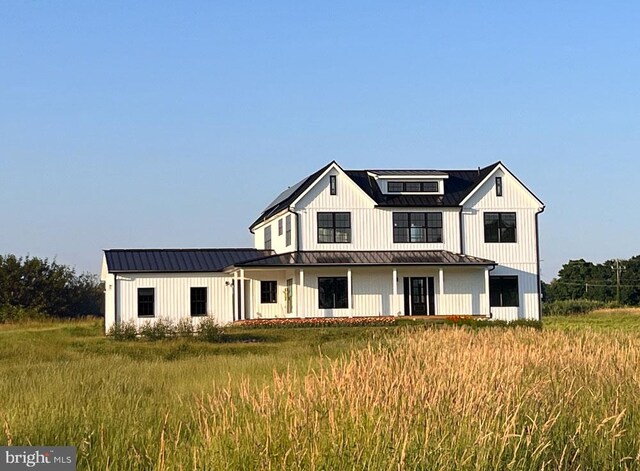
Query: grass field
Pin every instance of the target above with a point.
(566, 397)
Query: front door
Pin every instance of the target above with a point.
(419, 296)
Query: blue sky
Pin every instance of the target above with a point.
(172, 124)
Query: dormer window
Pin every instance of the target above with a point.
(430, 186)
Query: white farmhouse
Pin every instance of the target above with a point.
(353, 243)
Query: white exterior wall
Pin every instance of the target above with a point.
(372, 291)
(172, 297)
(371, 227)
(519, 258)
(278, 242)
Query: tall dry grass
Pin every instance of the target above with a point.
(439, 399)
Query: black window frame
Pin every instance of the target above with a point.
(423, 187)
(268, 292)
(287, 233)
(280, 226)
(333, 185)
(503, 292)
(328, 297)
(143, 304)
(499, 186)
(198, 299)
(334, 228)
(268, 238)
(431, 228)
(498, 230)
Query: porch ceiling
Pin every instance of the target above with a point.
(365, 258)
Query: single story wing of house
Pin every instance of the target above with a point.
(343, 243)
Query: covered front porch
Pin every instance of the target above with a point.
(348, 284)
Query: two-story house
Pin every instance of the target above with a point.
(353, 243)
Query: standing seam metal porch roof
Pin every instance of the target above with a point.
(367, 258)
(178, 260)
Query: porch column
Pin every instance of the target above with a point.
(242, 315)
(486, 290)
(394, 299)
(349, 300)
(440, 290)
(235, 296)
(299, 302)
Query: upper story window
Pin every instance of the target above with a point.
(500, 227)
(333, 185)
(267, 237)
(503, 291)
(334, 228)
(413, 187)
(199, 301)
(146, 302)
(417, 228)
(288, 230)
(498, 186)
(280, 226)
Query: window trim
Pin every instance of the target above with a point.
(333, 227)
(193, 302)
(288, 230)
(333, 185)
(500, 215)
(499, 187)
(268, 242)
(153, 303)
(426, 227)
(423, 184)
(502, 278)
(271, 291)
(346, 287)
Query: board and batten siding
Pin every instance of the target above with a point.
(372, 291)
(172, 297)
(278, 242)
(371, 227)
(515, 259)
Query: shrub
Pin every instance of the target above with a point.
(123, 331)
(209, 330)
(184, 328)
(575, 306)
(158, 330)
(478, 323)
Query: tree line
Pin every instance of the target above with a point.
(613, 280)
(39, 287)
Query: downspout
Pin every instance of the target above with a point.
(538, 264)
(461, 233)
(297, 215)
(493, 267)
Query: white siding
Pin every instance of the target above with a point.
(371, 227)
(519, 258)
(173, 296)
(278, 242)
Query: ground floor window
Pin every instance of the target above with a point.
(332, 293)
(198, 301)
(289, 295)
(504, 291)
(268, 292)
(146, 301)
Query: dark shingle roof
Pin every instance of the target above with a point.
(327, 258)
(456, 187)
(177, 260)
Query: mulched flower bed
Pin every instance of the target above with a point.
(318, 322)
